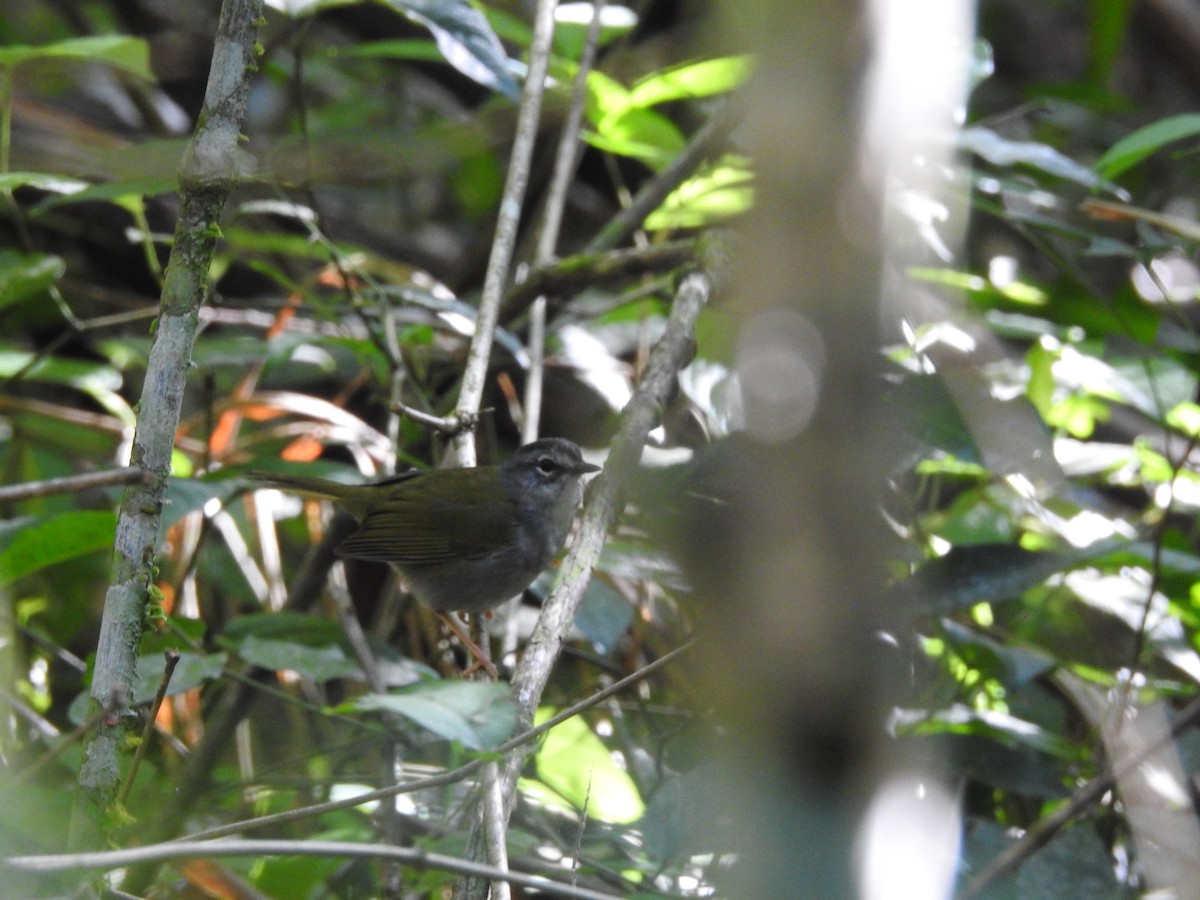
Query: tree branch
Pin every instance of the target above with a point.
(207, 174)
(672, 353)
(413, 856)
(511, 202)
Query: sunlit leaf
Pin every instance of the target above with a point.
(1009, 729)
(56, 184)
(1185, 417)
(115, 191)
(576, 764)
(1078, 414)
(718, 193)
(572, 21)
(606, 97)
(702, 79)
(639, 133)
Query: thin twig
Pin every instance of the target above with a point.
(453, 776)
(566, 161)
(1044, 830)
(495, 845)
(69, 741)
(69, 484)
(112, 859)
(495, 278)
(528, 115)
(172, 660)
(590, 269)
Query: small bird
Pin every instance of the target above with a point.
(463, 539)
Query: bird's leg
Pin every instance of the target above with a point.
(481, 658)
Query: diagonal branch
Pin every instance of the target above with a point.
(671, 354)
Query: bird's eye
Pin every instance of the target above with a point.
(546, 465)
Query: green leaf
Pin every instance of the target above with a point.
(128, 53)
(297, 9)
(98, 380)
(56, 539)
(639, 133)
(718, 193)
(424, 51)
(478, 715)
(1000, 726)
(121, 192)
(55, 184)
(702, 79)
(1106, 35)
(465, 38)
(282, 626)
(25, 275)
(86, 376)
(1133, 148)
(606, 97)
(976, 574)
(192, 670)
(187, 495)
(604, 615)
(179, 632)
(296, 876)
(1000, 151)
(574, 763)
(1185, 417)
(322, 663)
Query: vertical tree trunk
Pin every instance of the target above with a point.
(791, 571)
(208, 172)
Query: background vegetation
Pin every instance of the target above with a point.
(1026, 426)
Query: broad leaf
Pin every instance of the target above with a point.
(191, 671)
(25, 275)
(127, 53)
(702, 79)
(55, 540)
(576, 765)
(478, 715)
(465, 38)
(322, 663)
